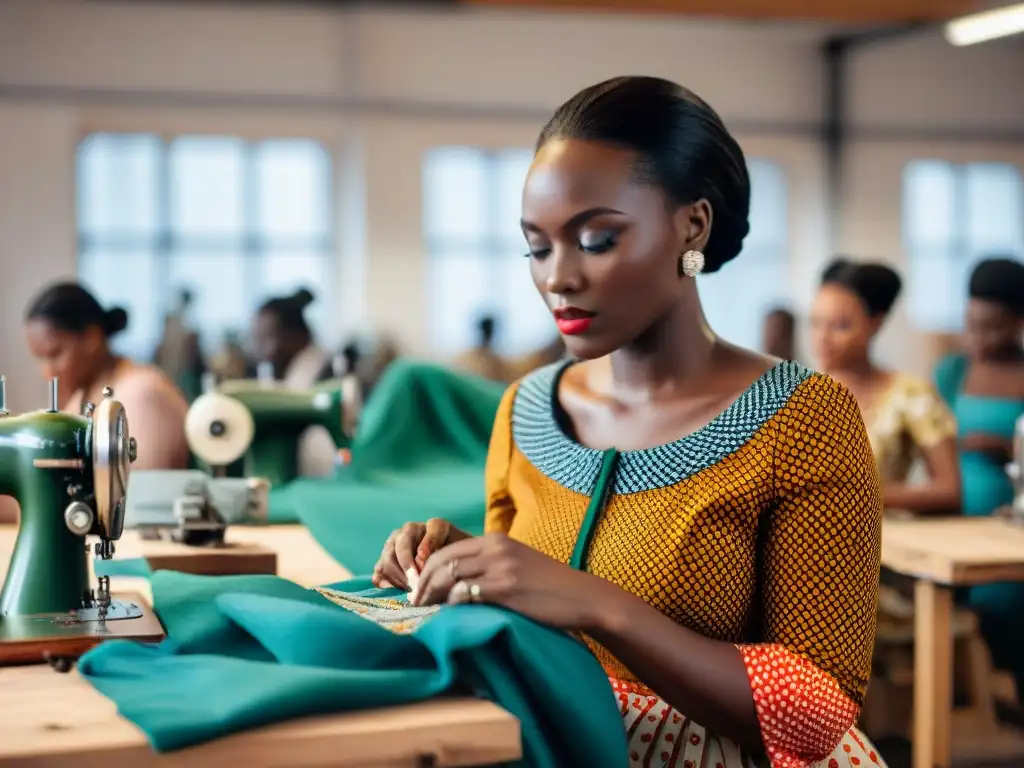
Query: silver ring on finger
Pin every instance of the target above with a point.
(475, 593)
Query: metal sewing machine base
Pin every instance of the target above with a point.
(60, 638)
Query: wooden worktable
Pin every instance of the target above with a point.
(941, 554)
(54, 720)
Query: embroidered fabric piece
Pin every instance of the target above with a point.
(390, 613)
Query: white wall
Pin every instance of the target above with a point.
(383, 87)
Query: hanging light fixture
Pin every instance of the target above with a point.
(987, 25)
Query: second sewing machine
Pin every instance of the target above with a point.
(247, 434)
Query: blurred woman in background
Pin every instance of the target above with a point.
(985, 388)
(69, 333)
(905, 417)
(282, 338)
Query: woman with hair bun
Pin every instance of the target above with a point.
(69, 332)
(905, 417)
(281, 338)
(706, 519)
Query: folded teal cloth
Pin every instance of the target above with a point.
(246, 651)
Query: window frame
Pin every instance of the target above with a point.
(165, 241)
(958, 250)
(489, 249)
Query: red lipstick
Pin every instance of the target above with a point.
(572, 321)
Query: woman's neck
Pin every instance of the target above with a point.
(860, 368)
(676, 352)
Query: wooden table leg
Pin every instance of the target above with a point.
(933, 675)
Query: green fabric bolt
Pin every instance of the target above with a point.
(246, 651)
(419, 453)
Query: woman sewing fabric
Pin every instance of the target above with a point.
(706, 518)
(985, 388)
(69, 333)
(905, 417)
(282, 337)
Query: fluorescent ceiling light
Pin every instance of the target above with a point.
(986, 25)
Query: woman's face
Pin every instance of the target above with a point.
(991, 330)
(267, 341)
(841, 329)
(69, 356)
(604, 250)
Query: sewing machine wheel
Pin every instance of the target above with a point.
(219, 429)
(112, 455)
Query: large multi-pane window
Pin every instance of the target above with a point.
(477, 266)
(954, 216)
(471, 220)
(233, 221)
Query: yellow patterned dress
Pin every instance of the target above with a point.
(762, 529)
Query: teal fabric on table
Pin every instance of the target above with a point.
(135, 566)
(246, 651)
(419, 453)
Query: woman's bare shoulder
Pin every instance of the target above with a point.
(140, 381)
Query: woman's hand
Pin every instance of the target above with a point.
(498, 570)
(406, 552)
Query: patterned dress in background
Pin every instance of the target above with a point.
(762, 529)
(907, 420)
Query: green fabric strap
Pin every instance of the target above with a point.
(597, 503)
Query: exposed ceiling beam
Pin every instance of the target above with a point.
(844, 11)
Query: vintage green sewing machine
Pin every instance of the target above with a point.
(69, 473)
(278, 419)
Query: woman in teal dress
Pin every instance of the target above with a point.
(985, 389)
